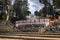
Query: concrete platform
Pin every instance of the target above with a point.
(42, 37)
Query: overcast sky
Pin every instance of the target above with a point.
(34, 5)
(12, 1)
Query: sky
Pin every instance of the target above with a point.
(12, 2)
(34, 5)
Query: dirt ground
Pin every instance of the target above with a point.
(25, 39)
(9, 39)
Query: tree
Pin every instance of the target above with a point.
(45, 9)
(57, 3)
(6, 9)
(27, 13)
(22, 7)
(43, 2)
(48, 8)
(37, 13)
(1, 9)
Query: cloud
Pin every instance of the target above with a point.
(34, 5)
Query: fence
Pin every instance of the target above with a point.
(31, 25)
(35, 21)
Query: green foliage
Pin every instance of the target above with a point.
(3, 16)
(48, 8)
(43, 1)
(57, 3)
(20, 8)
(37, 13)
(7, 2)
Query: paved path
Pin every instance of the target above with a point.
(11, 37)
